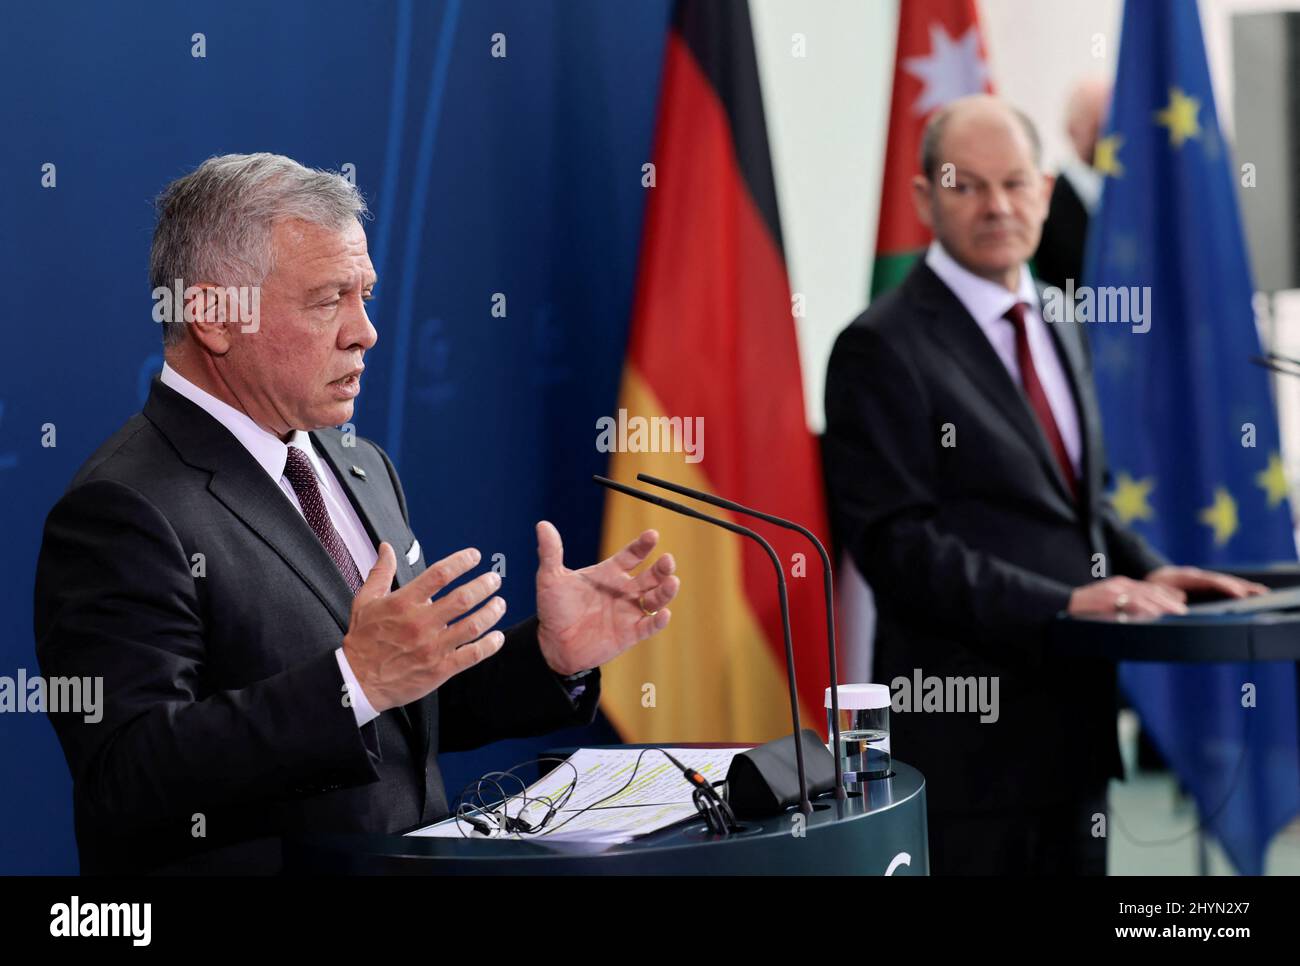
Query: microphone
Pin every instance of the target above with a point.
(705, 788)
(805, 805)
(828, 580)
(690, 774)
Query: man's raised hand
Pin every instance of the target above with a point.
(401, 645)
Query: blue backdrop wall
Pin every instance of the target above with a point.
(517, 175)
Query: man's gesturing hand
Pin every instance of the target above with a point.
(589, 616)
(401, 645)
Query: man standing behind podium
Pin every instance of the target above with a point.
(967, 473)
(245, 581)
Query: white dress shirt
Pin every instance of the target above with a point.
(987, 302)
(271, 454)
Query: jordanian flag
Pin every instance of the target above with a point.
(940, 57)
(713, 336)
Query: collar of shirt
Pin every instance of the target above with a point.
(986, 301)
(268, 449)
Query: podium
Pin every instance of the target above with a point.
(1266, 636)
(879, 832)
(1190, 638)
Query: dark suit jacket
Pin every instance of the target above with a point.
(224, 710)
(972, 549)
(1065, 234)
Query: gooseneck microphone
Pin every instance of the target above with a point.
(828, 580)
(726, 820)
(805, 804)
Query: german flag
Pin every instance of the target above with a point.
(713, 339)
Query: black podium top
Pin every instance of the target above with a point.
(1262, 637)
(883, 831)
(1268, 636)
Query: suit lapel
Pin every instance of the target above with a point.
(1068, 336)
(257, 500)
(961, 338)
(249, 493)
(383, 521)
(381, 518)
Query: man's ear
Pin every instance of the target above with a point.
(922, 201)
(1049, 185)
(206, 315)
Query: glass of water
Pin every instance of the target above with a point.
(864, 732)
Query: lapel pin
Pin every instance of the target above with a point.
(358, 472)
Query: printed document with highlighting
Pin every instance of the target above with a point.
(657, 796)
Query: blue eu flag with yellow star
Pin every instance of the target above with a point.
(1191, 429)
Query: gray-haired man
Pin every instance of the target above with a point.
(248, 586)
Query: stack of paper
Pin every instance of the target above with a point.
(605, 807)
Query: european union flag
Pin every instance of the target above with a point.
(1191, 429)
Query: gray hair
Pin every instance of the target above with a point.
(215, 223)
(932, 136)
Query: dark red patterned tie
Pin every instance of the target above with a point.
(303, 480)
(1038, 398)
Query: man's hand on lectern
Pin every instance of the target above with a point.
(1128, 597)
(1209, 581)
(590, 616)
(1164, 591)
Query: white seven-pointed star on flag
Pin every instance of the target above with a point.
(953, 69)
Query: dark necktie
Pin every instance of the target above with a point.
(1038, 398)
(303, 480)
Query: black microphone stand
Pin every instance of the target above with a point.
(805, 804)
(828, 581)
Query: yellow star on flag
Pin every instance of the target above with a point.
(1106, 156)
(1130, 498)
(1180, 117)
(1221, 515)
(1273, 480)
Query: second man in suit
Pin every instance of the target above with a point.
(966, 469)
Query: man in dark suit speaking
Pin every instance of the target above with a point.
(966, 469)
(245, 581)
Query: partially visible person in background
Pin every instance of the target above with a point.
(1062, 249)
(1078, 187)
(966, 470)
